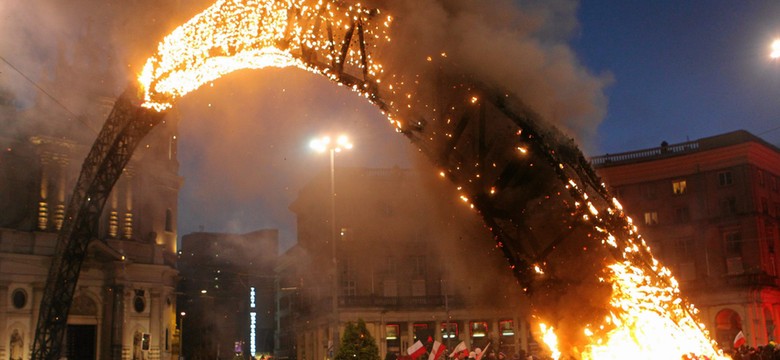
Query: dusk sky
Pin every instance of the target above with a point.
(682, 69)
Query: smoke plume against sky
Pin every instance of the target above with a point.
(243, 140)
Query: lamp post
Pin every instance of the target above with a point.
(181, 335)
(321, 145)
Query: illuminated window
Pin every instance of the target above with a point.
(449, 330)
(392, 331)
(479, 329)
(507, 327)
(679, 187)
(651, 218)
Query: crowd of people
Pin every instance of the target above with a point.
(770, 351)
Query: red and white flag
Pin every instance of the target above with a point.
(461, 348)
(416, 350)
(436, 351)
(482, 353)
(739, 340)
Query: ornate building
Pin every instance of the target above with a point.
(710, 209)
(412, 262)
(124, 304)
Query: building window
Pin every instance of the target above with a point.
(479, 329)
(449, 330)
(683, 248)
(391, 266)
(648, 191)
(19, 298)
(765, 206)
(139, 303)
(421, 332)
(390, 288)
(392, 331)
(679, 187)
(418, 265)
(760, 175)
(725, 178)
(506, 327)
(733, 243)
(651, 218)
(682, 214)
(418, 288)
(728, 206)
(168, 220)
(774, 183)
(348, 288)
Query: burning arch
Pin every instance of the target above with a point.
(560, 230)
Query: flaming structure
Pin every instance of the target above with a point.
(595, 288)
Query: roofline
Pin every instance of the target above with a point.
(671, 150)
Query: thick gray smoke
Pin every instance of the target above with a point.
(520, 46)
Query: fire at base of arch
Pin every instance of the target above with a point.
(232, 35)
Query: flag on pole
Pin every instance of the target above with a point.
(739, 340)
(482, 353)
(436, 351)
(459, 349)
(416, 350)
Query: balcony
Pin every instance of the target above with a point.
(385, 302)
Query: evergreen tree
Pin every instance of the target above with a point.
(357, 343)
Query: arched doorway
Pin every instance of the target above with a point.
(727, 324)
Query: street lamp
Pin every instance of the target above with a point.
(181, 335)
(775, 49)
(321, 145)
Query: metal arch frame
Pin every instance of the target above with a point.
(482, 134)
(126, 125)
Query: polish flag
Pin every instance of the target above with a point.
(459, 349)
(436, 350)
(739, 340)
(482, 353)
(416, 350)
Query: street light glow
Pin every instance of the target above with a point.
(325, 143)
(775, 49)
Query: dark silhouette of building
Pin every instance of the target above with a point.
(227, 293)
(710, 209)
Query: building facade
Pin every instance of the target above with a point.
(124, 303)
(227, 294)
(710, 209)
(409, 260)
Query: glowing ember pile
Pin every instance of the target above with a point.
(646, 316)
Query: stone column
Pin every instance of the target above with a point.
(3, 318)
(156, 318)
(117, 321)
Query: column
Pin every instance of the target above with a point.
(117, 322)
(3, 318)
(155, 329)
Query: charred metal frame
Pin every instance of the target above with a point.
(474, 156)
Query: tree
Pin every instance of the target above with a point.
(357, 343)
